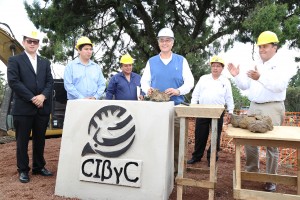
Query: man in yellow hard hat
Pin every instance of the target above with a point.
(266, 84)
(83, 78)
(29, 76)
(126, 84)
(211, 89)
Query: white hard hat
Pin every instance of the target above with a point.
(32, 34)
(165, 32)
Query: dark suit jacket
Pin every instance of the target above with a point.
(26, 84)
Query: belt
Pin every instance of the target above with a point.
(267, 102)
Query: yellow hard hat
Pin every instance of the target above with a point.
(217, 59)
(267, 37)
(83, 40)
(126, 59)
(32, 34)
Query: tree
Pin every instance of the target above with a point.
(281, 17)
(239, 99)
(295, 81)
(292, 101)
(202, 27)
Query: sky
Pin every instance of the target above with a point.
(13, 13)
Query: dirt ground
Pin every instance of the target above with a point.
(43, 187)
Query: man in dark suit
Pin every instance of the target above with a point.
(29, 76)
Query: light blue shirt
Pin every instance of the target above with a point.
(83, 81)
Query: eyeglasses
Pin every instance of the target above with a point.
(168, 40)
(35, 42)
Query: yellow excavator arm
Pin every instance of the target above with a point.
(9, 46)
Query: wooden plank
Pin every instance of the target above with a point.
(262, 195)
(298, 171)
(213, 154)
(278, 133)
(182, 140)
(238, 166)
(270, 142)
(274, 178)
(234, 180)
(195, 183)
(179, 192)
(197, 110)
(198, 170)
(181, 159)
(186, 144)
(211, 194)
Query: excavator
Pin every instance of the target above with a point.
(9, 46)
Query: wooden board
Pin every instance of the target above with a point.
(286, 133)
(199, 110)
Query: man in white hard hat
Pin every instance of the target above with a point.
(125, 85)
(266, 83)
(211, 89)
(83, 78)
(29, 76)
(169, 73)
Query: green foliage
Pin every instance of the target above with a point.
(198, 70)
(239, 99)
(123, 26)
(292, 102)
(265, 17)
(281, 17)
(295, 80)
(202, 28)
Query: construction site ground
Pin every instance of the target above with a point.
(43, 187)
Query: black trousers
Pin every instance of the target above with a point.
(202, 128)
(24, 125)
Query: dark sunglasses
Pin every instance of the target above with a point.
(35, 42)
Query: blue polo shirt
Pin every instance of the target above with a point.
(119, 88)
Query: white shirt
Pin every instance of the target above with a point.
(33, 61)
(188, 78)
(213, 92)
(272, 83)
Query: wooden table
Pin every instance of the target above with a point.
(280, 136)
(199, 111)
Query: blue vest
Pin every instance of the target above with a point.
(167, 76)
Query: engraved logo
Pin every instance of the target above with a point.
(111, 132)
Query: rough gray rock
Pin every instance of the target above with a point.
(254, 123)
(159, 96)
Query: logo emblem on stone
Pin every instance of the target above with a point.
(111, 132)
